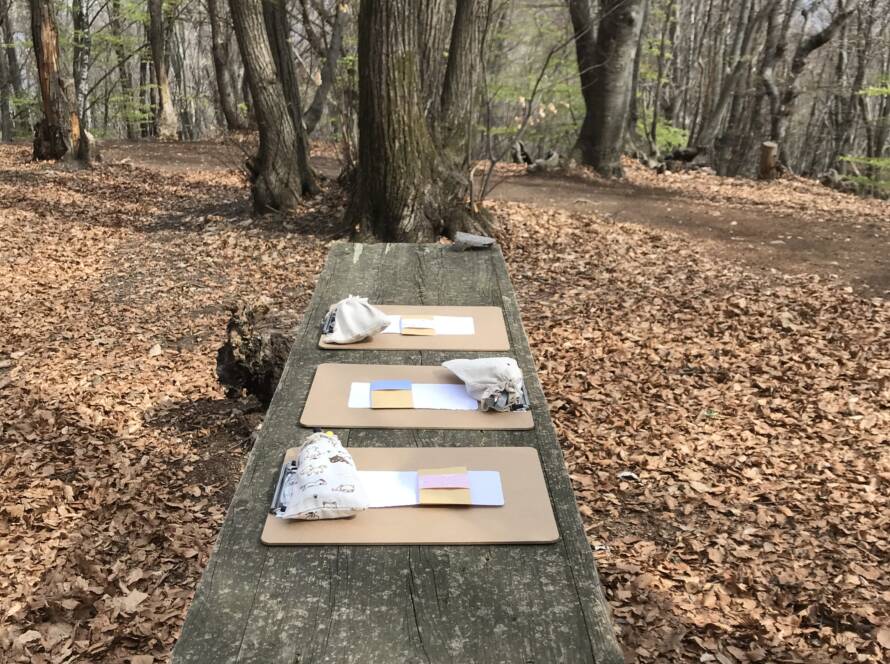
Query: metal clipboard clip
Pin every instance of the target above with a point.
(288, 468)
(327, 325)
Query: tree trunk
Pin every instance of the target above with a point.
(165, 113)
(277, 29)
(224, 85)
(83, 44)
(458, 88)
(585, 48)
(601, 139)
(7, 122)
(432, 22)
(275, 172)
(406, 191)
(123, 72)
(14, 70)
(58, 135)
(769, 160)
(328, 72)
(7, 126)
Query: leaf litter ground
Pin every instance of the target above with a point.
(726, 433)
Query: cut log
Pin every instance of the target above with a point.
(257, 345)
(769, 160)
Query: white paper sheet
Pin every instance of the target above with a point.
(425, 396)
(459, 326)
(392, 488)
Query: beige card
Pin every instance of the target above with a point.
(420, 331)
(391, 399)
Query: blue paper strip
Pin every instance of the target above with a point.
(390, 385)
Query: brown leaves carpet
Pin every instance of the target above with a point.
(727, 435)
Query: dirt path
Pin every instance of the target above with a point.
(854, 253)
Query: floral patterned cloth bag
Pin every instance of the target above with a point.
(326, 484)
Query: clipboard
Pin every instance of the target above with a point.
(488, 322)
(327, 402)
(526, 516)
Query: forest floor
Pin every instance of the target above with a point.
(716, 353)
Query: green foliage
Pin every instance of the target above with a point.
(876, 91)
(667, 136)
(877, 172)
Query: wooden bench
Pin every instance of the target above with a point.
(393, 604)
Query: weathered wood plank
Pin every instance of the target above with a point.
(525, 603)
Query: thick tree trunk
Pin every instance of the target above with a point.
(123, 73)
(58, 135)
(165, 112)
(277, 179)
(328, 72)
(601, 139)
(277, 29)
(224, 84)
(406, 191)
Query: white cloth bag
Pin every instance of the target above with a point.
(496, 382)
(326, 484)
(354, 320)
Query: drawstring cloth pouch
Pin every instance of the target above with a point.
(495, 382)
(326, 484)
(354, 320)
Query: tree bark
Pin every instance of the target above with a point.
(406, 191)
(585, 48)
(83, 45)
(224, 84)
(769, 161)
(277, 29)
(601, 139)
(458, 87)
(165, 112)
(58, 135)
(7, 126)
(328, 72)
(123, 73)
(275, 173)
(14, 71)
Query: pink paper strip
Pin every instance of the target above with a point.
(452, 481)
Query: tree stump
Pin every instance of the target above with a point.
(769, 160)
(258, 341)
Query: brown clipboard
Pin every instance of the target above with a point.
(490, 331)
(327, 403)
(525, 517)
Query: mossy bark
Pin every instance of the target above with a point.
(606, 80)
(407, 189)
(278, 181)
